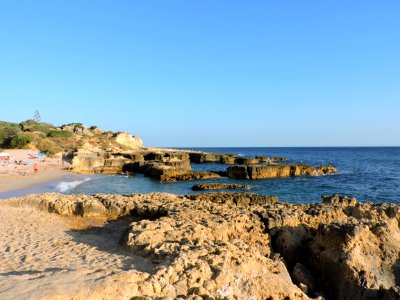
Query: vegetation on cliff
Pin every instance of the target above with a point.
(51, 139)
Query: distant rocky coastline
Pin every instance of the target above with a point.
(170, 165)
(94, 150)
(242, 245)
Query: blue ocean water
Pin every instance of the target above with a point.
(368, 173)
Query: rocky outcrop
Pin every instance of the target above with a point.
(247, 160)
(247, 246)
(193, 176)
(276, 170)
(87, 161)
(203, 157)
(219, 186)
(127, 140)
(230, 159)
(279, 159)
(237, 198)
(77, 128)
(162, 171)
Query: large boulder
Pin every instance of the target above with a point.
(130, 141)
(85, 161)
(365, 255)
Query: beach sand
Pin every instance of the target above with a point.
(13, 176)
(46, 256)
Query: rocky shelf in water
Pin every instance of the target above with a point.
(240, 246)
(175, 165)
(220, 186)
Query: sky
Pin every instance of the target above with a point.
(207, 73)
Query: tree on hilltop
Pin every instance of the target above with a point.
(37, 116)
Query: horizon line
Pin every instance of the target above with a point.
(273, 146)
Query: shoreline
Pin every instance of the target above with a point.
(10, 183)
(15, 177)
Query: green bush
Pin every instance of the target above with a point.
(19, 141)
(7, 131)
(31, 126)
(77, 125)
(93, 127)
(60, 134)
(49, 147)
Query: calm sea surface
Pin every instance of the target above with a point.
(370, 174)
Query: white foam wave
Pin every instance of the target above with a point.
(65, 186)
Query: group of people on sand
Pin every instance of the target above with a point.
(17, 165)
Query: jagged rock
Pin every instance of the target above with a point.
(77, 128)
(128, 140)
(192, 176)
(239, 199)
(340, 200)
(200, 157)
(301, 275)
(219, 186)
(227, 159)
(365, 255)
(241, 245)
(278, 159)
(276, 170)
(86, 161)
(114, 165)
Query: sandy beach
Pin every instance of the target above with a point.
(14, 176)
(46, 256)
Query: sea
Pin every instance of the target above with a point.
(367, 173)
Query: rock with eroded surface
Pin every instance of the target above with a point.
(130, 141)
(241, 246)
(219, 186)
(276, 170)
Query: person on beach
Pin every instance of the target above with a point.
(35, 168)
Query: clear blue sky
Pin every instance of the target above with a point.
(207, 73)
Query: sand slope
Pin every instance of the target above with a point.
(47, 256)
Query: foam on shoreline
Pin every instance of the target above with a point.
(61, 185)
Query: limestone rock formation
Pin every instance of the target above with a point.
(87, 161)
(245, 246)
(219, 186)
(203, 157)
(276, 170)
(236, 198)
(78, 129)
(128, 140)
(247, 160)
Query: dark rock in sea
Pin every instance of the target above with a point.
(190, 176)
(202, 157)
(247, 160)
(278, 159)
(219, 186)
